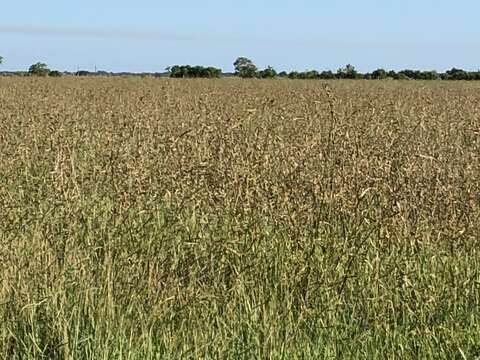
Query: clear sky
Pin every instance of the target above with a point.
(148, 35)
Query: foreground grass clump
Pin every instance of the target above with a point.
(153, 219)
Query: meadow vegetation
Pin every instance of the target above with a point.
(239, 219)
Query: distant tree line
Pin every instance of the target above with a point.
(41, 69)
(187, 71)
(37, 69)
(453, 74)
(245, 68)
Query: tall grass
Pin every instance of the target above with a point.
(153, 219)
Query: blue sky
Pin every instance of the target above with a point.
(148, 35)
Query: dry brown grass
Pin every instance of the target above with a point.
(237, 218)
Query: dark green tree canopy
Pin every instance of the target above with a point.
(245, 68)
(55, 73)
(311, 75)
(187, 71)
(39, 69)
(83, 73)
(457, 74)
(348, 72)
(267, 73)
(379, 74)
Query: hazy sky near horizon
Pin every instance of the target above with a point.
(149, 35)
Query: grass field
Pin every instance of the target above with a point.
(230, 219)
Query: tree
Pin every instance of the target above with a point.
(82, 73)
(409, 74)
(245, 68)
(39, 69)
(392, 74)
(327, 75)
(187, 71)
(457, 74)
(379, 74)
(401, 76)
(267, 73)
(429, 75)
(294, 75)
(474, 75)
(310, 74)
(55, 73)
(348, 72)
(1, 59)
